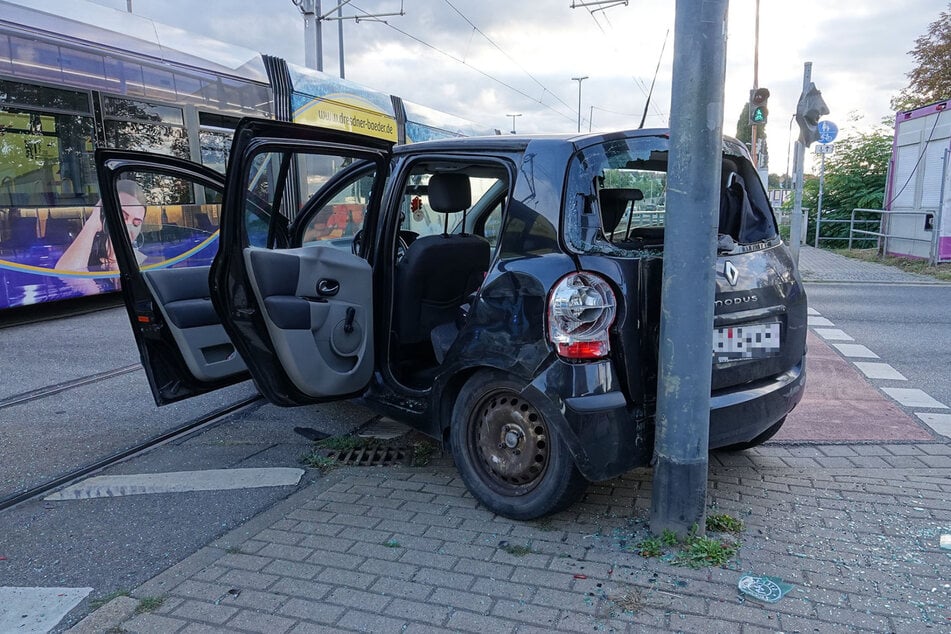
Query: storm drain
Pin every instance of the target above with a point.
(375, 456)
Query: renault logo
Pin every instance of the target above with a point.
(730, 272)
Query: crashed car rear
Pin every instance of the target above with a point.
(501, 294)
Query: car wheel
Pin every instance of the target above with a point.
(759, 440)
(507, 452)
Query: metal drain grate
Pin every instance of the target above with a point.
(378, 456)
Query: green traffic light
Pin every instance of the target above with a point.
(759, 115)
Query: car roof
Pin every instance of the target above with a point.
(518, 143)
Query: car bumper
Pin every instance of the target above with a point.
(608, 436)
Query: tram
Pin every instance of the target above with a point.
(78, 76)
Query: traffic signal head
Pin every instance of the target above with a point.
(811, 106)
(758, 110)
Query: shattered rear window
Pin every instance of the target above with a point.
(616, 199)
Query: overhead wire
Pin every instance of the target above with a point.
(464, 63)
(501, 50)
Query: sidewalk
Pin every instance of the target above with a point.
(821, 265)
(855, 530)
(853, 523)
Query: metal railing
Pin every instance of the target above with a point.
(882, 236)
(820, 221)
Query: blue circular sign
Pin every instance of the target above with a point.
(827, 131)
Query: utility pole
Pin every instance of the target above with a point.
(513, 120)
(313, 41)
(682, 421)
(340, 36)
(799, 157)
(579, 80)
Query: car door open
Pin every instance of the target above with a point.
(163, 246)
(300, 315)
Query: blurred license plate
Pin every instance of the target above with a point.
(750, 341)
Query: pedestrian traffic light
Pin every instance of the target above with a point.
(811, 106)
(758, 110)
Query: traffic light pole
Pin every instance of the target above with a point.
(754, 151)
(682, 421)
(799, 158)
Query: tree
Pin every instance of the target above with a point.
(930, 80)
(855, 178)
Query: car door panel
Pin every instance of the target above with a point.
(318, 307)
(182, 343)
(185, 303)
(303, 342)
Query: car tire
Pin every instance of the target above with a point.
(759, 440)
(508, 453)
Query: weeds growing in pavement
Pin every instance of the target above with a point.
(724, 523)
(149, 604)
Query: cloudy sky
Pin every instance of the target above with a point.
(485, 59)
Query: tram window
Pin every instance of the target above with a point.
(45, 158)
(215, 136)
(139, 125)
(176, 223)
(342, 217)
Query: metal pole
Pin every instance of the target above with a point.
(579, 80)
(754, 130)
(795, 224)
(682, 422)
(340, 37)
(822, 176)
(513, 120)
(310, 41)
(318, 27)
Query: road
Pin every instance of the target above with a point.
(907, 325)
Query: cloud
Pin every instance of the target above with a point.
(483, 60)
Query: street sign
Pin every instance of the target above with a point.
(827, 131)
(825, 148)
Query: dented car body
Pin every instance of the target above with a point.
(500, 294)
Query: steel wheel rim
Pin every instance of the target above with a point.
(510, 443)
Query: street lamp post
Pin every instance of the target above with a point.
(513, 120)
(579, 80)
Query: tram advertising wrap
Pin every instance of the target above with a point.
(160, 90)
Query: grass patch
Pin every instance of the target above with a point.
(650, 547)
(516, 550)
(909, 265)
(669, 538)
(95, 604)
(423, 452)
(320, 461)
(343, 443)
(149, 604)
(724, 523)
(701, 552)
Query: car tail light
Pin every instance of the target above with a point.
(581, 310)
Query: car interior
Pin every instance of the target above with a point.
(449, 223)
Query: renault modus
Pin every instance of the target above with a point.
(500, 294)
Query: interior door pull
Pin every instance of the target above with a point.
(328, 288)
(348, 324)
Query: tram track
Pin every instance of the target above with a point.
(56, 388)
(191, 427)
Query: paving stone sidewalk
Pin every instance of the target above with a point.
(821, 265)
(854, 528)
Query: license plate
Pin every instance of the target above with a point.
(750, 341)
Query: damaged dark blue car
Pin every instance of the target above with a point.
(500, 294)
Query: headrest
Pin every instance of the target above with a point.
(613, 203)
(729, 167)
(449, 193)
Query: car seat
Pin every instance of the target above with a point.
(439, 272)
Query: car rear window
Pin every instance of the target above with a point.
(616, 199)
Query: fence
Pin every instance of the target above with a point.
(851, 222)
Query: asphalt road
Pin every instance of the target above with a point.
(907, 325)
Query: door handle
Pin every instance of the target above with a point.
(328, 288)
